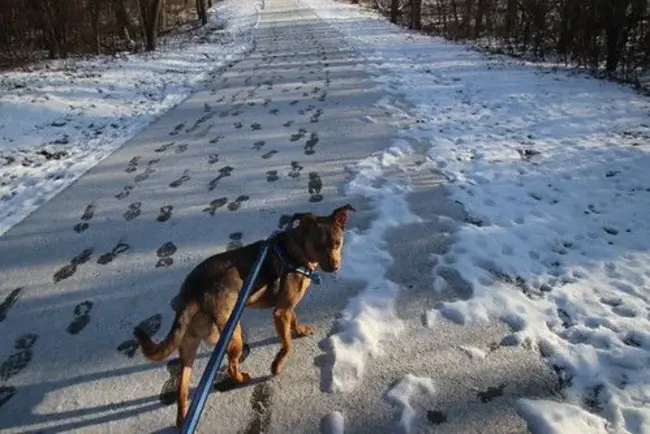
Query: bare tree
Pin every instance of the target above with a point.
(394, 9)
(150, 15)
(202, 11)
(416, 14)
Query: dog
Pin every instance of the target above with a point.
(210, 291)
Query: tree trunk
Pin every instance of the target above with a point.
(394, 8)
(162, 22)
(416, 14)
(150, 12)
(95, 12)
(480, 13)
(123, 20)
(202, 11)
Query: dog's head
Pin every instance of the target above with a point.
(322, 236)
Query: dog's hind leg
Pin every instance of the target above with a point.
(187, 351)
(213, 337)
(235, 350)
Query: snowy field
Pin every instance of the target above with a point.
(552, 168)
(60, 118)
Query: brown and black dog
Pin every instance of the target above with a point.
(210, 292)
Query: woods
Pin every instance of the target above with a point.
(33, 30)
(609, 36)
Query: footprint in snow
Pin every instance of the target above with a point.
(284, 220)
(165, 213)
(296, 168)
(223, 173)
(177, 129)
(107, 258)
(316, 116)
(6, 393)
(236, 204)
(491, 393)
(150, 326)
(310, 144)
(436, 417)
(213, 158)
(315, 186)
(133, 165)
(238, 125)
(8, 302)
(272, 176)
(164, 254)
(215, 204)
(133, 211)
(299, 135)
(180, 181)
(256, 126)
(81, 317)
(126, 191)
(257, 146)
(181, 148)
(164, 147)
(70, 269)
(20, 358)
(235, 241)
(145, 175)
(87, 215)
(269, 154)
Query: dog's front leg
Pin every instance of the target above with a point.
(301, 329)
(282, 318)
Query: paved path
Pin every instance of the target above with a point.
(270, 136)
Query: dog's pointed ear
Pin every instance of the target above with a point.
(305, 219)
(340, 215)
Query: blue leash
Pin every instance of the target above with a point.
(203, 389)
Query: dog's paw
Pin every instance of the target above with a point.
(277, 366)
(304, 330)
(245, 376)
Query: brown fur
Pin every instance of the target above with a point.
(210, 291)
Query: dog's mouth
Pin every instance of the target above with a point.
(328, 268)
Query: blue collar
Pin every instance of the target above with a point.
(286, 264)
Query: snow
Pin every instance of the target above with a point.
(473, 352)
(404, 393)
(60, 118)
(551, 167)
(548, 417)
(369, 318)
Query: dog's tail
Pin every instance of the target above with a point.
(161, 350)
